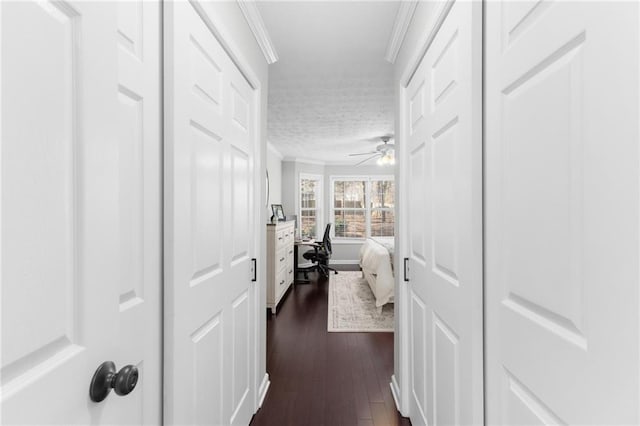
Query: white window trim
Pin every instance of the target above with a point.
(368, 179)
(319, 202)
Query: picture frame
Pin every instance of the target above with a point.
(278, 212)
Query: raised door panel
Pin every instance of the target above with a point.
(40, 154)
(206, 181)
(418, 356)
(239, 366)
(206, 373)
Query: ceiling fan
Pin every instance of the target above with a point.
(384, 153)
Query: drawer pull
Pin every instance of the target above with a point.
(281, 259)
(280, 238)
(282, 282)
(291, 271)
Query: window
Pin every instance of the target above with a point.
(363, 206)
(349, 209)
(310, 202)
(382, 205)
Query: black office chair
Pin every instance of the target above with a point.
(320, 255)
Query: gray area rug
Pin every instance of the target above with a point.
(352, 306)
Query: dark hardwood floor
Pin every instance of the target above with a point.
(321, 378)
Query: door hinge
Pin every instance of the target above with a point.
(406, 269)
(254, 270)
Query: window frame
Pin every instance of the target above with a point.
(319, 202)
(367, 202)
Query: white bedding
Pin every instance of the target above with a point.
(376, 257)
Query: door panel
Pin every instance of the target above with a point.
(444, 224)
(80, 220)
(562, 209)
(209, 134)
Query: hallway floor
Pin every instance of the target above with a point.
(321, 378)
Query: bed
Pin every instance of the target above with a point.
(376, 261)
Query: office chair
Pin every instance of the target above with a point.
(320, 255)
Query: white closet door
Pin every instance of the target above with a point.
(562, 228)
(209, 325)
(444, 167)
(80, 177)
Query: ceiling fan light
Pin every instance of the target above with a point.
(380, 161)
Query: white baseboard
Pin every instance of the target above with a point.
(264, 387)
(395, 392)
(343, 262)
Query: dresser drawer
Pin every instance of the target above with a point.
(290, 274)
(289, 235)
(281, 259)
(281, 281)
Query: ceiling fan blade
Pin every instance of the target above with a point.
(363, 153)
(367, 159)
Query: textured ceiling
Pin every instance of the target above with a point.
(330, 93)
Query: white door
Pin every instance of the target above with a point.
(562, 229)
(209, 325)
(80, 210)
(442, 107)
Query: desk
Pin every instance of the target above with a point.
(296, 271)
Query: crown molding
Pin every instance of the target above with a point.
(304, 161)
(256, 24)
(274, 150)
(400, 28)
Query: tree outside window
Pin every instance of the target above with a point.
(363, 207)
(382, 208)
(309, 205)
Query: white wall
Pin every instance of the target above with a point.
(290, 177)
(343, 252)
(274, 167)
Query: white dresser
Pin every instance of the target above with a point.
(280, 238)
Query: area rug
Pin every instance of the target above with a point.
(352, 306)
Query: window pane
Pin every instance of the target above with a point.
(382, 194)
(350, 224)
(308, 189)
(348, 194)
(308, 224)
(338, 194)
(382, 223)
